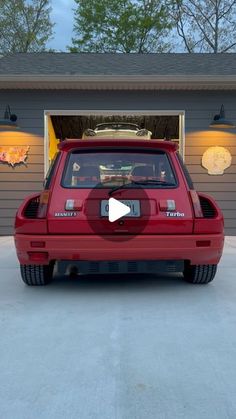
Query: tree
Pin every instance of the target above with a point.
(205, 25)
(25, 26)
(121, 26)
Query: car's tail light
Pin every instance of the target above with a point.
(203, 243)
(37, 244)
(196, 204)
(142, 132)
(73, 205)
(38, 256)
(167, 205)
(43, 204)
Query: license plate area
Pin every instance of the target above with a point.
(133, 204)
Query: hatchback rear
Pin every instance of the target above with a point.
(170, 227)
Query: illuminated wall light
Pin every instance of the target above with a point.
(8, 120)
(219, 120)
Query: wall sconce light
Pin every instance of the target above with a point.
(8, 120)
(220, 121)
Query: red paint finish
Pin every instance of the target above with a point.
(69, 145)
(143, 247)
(29, 225)
(183, 234)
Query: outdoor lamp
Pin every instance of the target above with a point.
(8, 120)
(220, 121)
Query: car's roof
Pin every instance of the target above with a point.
(70, 144)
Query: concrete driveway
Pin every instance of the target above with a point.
(117, 348)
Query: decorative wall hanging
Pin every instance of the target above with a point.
(14, 155)
(216, 160)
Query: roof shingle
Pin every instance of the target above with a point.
(118, 64)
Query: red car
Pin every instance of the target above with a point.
(118, 206)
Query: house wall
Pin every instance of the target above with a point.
(200, 107)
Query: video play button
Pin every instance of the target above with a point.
(117, 209)
(119, 217)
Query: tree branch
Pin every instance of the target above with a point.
(228, 48)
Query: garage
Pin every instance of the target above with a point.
(59, 95)
(61, 125)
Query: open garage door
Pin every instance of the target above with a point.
(61, 125)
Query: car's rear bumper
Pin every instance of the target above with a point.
(120, 266)
(197, 249)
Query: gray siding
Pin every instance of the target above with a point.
(200, 107)
(18, 182)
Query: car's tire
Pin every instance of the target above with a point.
(36, 274)
(200, 274)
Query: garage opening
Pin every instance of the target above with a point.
(61, 125)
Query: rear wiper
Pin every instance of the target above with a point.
(124, 186)
(141, 182)
(153, 182)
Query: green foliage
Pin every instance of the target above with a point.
(121, 26)
(25, 26)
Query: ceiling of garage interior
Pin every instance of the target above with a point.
(74, 126)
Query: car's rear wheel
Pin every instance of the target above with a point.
(200, 274)
(36, 274)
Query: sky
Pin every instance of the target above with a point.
(62, 15)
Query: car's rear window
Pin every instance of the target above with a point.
(116, 126)
(105, 169)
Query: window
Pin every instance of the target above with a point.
(105, 169)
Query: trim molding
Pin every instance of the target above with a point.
(124, 82)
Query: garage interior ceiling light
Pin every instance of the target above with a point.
(220, 121)
(8, 120)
